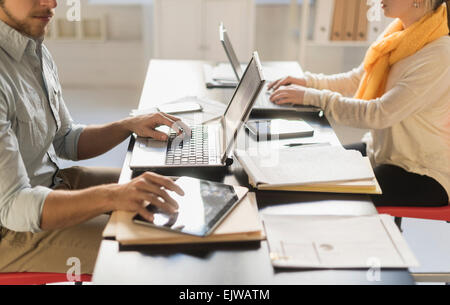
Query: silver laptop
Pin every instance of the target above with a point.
(208, 145)
(263, 105)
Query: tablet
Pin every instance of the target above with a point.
(202, 208)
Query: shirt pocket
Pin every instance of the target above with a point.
(31, 128)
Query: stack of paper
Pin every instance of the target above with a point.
(336, 242)
(242, 224)
(318, 169)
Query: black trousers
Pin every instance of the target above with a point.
(402, 188)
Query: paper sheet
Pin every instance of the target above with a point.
(306, 166)
(336, 242)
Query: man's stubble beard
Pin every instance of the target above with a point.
(20, 26)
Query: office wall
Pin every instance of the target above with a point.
(276, 38)
(121, 60)
(117, 61)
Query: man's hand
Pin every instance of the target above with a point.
(144, 125)
(149, 188)
(63, 209)
(96, 140)
(291, 94)
(286, 81)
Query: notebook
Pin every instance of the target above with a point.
(242, 224)
(315, 169)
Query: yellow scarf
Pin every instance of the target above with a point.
(397, 44)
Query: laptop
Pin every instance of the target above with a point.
(263, 105)
(208, 145)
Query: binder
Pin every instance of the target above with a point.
(322, 169)
(350, 14)
(361, 22)
(324, 20)
(338, 20)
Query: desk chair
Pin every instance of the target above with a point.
(431, 213)
(34, 278)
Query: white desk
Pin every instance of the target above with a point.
(231, 265)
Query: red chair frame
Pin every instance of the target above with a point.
(35, 278)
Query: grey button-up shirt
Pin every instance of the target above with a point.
(35, 129)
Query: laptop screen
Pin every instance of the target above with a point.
(242, 101)
(230, 52)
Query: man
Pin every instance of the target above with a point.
(48, 215)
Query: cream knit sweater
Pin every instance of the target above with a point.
(410, 123)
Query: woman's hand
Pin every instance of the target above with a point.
(291, 94)
(148, 188)
(286, 81)
(145, 125)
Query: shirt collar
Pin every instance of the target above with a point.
(14, 42)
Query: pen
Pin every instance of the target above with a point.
(307, 144)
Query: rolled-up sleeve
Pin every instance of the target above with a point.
(66, 140)
(20, 204)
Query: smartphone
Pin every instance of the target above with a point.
(182, 107)
(263, 130)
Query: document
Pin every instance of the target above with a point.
(336, 242)
(321, 169)
(313, 169)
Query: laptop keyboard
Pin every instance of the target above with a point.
(193, 151)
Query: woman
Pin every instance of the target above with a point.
(402, 93)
